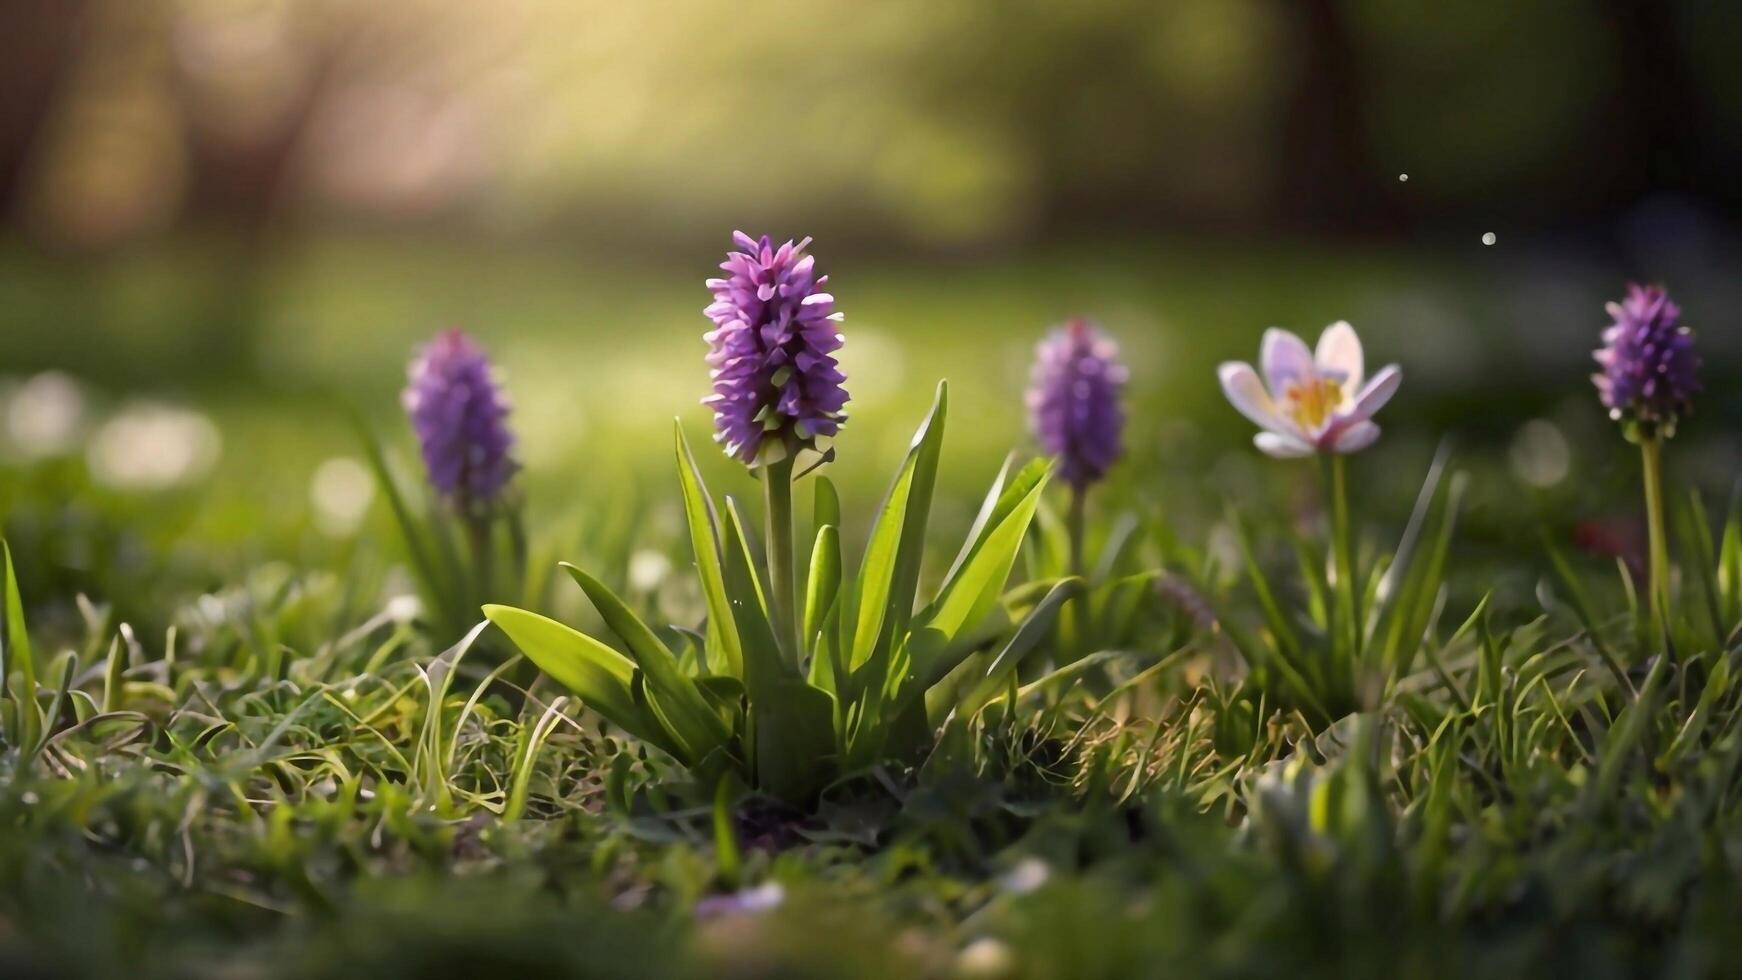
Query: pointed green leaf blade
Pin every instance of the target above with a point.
(825, 581)
(889, 572)
(599, 675)
(694, 722)
(15, 654)
(974, 592)
(705, 540)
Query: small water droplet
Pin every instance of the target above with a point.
(1489, 238)
(1403, 178)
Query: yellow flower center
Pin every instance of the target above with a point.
(1311, 402)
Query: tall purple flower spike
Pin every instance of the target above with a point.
(777, 385)
(460, 416)
(1650, 371)
(1073, 401)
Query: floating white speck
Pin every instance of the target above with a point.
(1403, 178)
(1489, 238)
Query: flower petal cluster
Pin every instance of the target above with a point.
(460, 415)
(1650, 370)
(1073, 401)
(1310, 401)
(777, 385)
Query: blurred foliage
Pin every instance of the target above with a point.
(962, 124)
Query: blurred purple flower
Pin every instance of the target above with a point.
(460, 416)
(763, 898)
(1073, 401)
(777, 385)
(1310, 401)
(1650, 369)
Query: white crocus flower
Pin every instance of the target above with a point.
(1310, 402)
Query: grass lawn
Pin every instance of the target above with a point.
(245, 732)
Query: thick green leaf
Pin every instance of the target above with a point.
(983, 519)
(795, 739)
(761, 653)
(828, 664)
(1002, 498)
(15, 655)
(599, 675)
(693, 721)
(724, 693)
(825, 582)
(1730, 561)
(974, 591)
(705, 540)
(889, 574)
(877, 569)
(826, 510)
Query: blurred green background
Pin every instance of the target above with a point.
(226, 223)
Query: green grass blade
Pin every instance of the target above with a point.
(1274, 618)
(532, 738)
(1696, 528)
(430, 575)
(1027, 637)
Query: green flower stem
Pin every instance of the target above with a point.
(1074, 618)
(1075, 521)
(783, 584)
(1651, 455)
(1343, 549)
(483, 555)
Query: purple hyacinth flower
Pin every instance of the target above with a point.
(1650, 369)
(1073, 401)
(460, 416)
(777, 385)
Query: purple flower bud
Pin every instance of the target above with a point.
(1650, 369)
(1073, 401)
(460, 416)
(777, 386)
